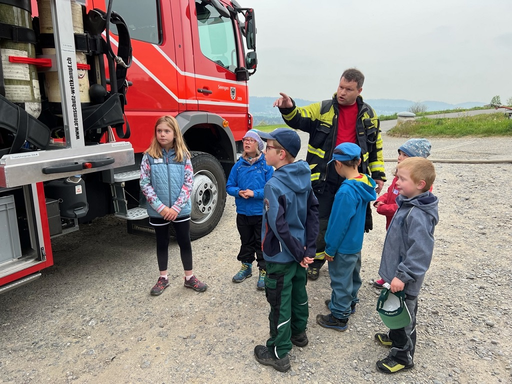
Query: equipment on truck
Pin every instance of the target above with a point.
(74, 73)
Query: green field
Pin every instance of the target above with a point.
(394, 116)
(270, 128)
(493, 124)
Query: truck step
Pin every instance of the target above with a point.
(20, 282)
(126, 176)
(136, 213)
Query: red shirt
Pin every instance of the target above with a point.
(347, 119)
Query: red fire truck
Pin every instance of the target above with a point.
(82, 83)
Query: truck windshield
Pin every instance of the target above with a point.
(216, 36)
(141, 17)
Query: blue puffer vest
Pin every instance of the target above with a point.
(167, 178)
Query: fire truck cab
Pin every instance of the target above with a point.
(82, 84)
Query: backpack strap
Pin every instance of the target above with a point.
(22, 126)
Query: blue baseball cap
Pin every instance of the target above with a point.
(346, 152)
(286, 137)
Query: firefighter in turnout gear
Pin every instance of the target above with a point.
(344, 118)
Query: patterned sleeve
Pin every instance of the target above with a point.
(145, 185)
(186, 189)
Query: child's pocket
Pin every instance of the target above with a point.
(273, 288)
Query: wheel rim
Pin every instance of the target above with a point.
(204, 196)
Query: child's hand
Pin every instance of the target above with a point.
(169, 214)
(243, 194)
(397, 285)
(377, 204)
(248, 193)
(306, 261)
(329, 258)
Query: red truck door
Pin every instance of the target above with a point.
(216, 51)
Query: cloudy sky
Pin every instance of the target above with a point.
(444, 50)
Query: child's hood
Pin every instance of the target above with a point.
(426, 201)
(363, 186)
(296, 176)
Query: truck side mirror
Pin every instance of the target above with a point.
(250, 29)
(251, 60)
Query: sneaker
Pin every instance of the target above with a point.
(379, 284)
(243, 273)
(195, 284)
(263, 356)
(384, 339)
(261, 280)
(352, 306)
(313, 273)
(300, 340)
(390, 365)
(329, 321)
(159, 287)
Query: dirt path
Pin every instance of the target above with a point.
(90, 319)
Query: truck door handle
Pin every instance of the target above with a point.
(206, 91)
(73, 167)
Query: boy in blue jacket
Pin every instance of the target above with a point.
(246, 181)
(344, 236)
(290, 228)
(407, 254)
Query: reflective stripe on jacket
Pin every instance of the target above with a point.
(320, 120)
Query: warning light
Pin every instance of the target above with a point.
(87, 165)
(225, 123)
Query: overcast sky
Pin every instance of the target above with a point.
(443, 50)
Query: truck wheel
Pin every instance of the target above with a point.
(208, 194)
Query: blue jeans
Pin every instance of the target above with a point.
(345, 283)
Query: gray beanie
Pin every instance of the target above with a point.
(253, 135)
(416, 148)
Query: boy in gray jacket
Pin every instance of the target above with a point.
(407, 254)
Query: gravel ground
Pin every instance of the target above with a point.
(90, 318)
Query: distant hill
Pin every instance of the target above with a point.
(262, 110)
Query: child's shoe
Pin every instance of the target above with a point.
(329, 321)
(300, 340)
(352, 306)
(260, 286)
(159, 287)
(379, 284)
(195, 284)
(263, 356)
(243, 273)
(384, 339)
(390, 365)
(313, 273)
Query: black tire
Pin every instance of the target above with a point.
(208, 195)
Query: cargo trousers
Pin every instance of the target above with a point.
(285, 289)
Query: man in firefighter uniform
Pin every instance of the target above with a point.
(344, 118)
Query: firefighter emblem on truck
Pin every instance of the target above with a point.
(232, 91)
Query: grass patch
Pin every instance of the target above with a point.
(394, 116)
(427, 113)
(270, 128)
(494, 124)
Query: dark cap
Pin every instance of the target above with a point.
(286, 137)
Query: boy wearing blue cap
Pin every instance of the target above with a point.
(344, 236)
(290, 228)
